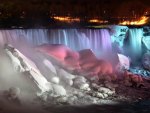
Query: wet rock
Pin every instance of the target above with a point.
(59, 90)
(140, 71)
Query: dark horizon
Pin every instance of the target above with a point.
(41, 12)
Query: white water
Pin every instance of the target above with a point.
(77, 39)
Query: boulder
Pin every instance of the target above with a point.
(79, 79)
(105, 90)
(15, 61)
(55, 80)
(65, 76)
(84, 87)
(98, 95)
(59, 90)
(18, 59)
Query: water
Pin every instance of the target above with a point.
(98, 40)
(135, 41)
(101, 41)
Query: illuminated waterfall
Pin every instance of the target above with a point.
(135, 41)
(77, 39)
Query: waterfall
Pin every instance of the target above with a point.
(135, 42)
(77, 39)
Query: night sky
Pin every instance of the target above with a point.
(28, 13)
(80, 8)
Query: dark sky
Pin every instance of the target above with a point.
(87, 8)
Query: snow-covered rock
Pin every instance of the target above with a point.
(50, 66)
(55, 80)
(84, 87)
(105, 95)
(32, 71)
(80, 83)
(124, 62)
(65, 76)
(79, 79)
(59, 90)
(14, 61)
(106, 91)
(98, 95)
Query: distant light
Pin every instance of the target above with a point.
(66, 19)
(143, 20)
(97, 21)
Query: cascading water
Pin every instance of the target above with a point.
(96, 39)
(135, 42)
(100, 41)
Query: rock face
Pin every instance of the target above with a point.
(15, 62)
(18, 60)
(146, 61)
